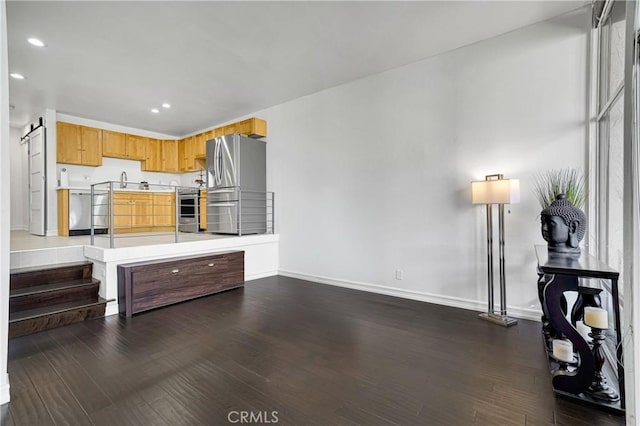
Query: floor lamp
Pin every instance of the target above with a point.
(496, 190)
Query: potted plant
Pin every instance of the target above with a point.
(564, 181)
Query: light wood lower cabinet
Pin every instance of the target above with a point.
(143, 212)
(203, 209)
(63, 212)
(133, 211)
(164, 210)
(121, 212)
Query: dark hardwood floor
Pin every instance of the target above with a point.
(316, 354)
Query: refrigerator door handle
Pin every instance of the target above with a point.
(220, 165)
(215, 163)
(216, 172)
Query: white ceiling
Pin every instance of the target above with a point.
(216, 61)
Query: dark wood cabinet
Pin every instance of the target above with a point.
(152, 284)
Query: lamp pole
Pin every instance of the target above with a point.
(496, 195)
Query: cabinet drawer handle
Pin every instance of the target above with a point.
(211, 264)
(175, 271)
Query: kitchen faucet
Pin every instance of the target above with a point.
(123, 180)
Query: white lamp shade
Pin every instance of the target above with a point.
(499, 191)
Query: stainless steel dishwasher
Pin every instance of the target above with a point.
(80, 212)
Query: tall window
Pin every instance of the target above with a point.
(607, 199)
(614, 168)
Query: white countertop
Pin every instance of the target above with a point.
(133, 188)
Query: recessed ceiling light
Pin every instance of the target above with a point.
(17, 76)
(35, 42)
(155, 110)
(166, 105)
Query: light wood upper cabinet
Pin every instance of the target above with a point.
(252, 127)
(136, 147)
(123, 145)
(77, 144)
(208, 136)
(182, 155)
(186, 151)
(161, 156)
(244, 127)
(114, 144)
(87, 145)
(229, 129)
(153, 158)
(91, 146)
(170, 161)
(68, 143)
(199, 142)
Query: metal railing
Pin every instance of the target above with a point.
(172, 213)
(246, 213)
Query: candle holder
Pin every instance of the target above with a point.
(599, 388)
(563, 366)
(562, 352)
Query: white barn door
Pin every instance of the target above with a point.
(37, 182)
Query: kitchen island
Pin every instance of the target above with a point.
(134, 210)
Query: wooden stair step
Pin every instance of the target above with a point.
(52, 294)
(45, 318)
(38, 275)
(51, 287)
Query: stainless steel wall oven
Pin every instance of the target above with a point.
(189, 209)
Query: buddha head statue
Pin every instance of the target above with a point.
(563, 226)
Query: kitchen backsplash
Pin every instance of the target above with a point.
(112, 168)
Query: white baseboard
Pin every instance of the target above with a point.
(456, 302)
(52, 233)
(111, 309)
(4, 390)
(20, 228)
(260, 275)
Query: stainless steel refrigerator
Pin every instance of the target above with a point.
(236, 185)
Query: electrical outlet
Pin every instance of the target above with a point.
(399, 274)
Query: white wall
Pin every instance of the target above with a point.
(374, 175)
(5, 194)
(19, 170)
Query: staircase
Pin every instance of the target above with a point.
(41, 298)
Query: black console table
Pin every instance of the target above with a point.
(558, 274)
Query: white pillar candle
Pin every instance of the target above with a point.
(583, 330)
(563, 350)
(596, 317)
